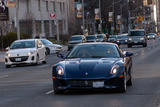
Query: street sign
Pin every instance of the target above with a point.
(97, 14)
(52, 15)
(3, 10)
(79, 11)
(110, 17)
(11, 3)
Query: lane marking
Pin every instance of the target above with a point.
(3, 76)
(49, 92)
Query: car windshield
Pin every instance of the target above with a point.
(46, 42)
(90, 37)
(23, 44)
(94, 51)
(100, 36)
(76, 38)
(151, 34)
(137, 33)
(122, 37)
(113, 36)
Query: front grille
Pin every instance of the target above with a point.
(23, 58)
(82, 83)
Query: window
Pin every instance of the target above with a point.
(39, 5)
(27, 4)
(47, 5)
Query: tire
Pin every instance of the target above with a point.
(8, 66)
(123, 87)
(58, 91)
(48, 51)
(129, 46)
(44, 62)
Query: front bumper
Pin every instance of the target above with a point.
(139, 42)
(24, 60)
(73, 84)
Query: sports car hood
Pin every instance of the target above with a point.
(89, 68)
(20, 52)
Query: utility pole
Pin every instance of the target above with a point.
(100, 15)
(17, 19)
(113, 18)
(83, 16)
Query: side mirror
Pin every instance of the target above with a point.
(7, 48)
(60, 56)
(127, 54)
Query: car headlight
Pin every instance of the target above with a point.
(30, 53)
(126, 40)
(60, 70)
(141, 38)
(130, 39)
(8, 55)
(114, 69)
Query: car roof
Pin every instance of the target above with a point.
(137, 30)
(77, 35)
(25, 40)
(96, 43)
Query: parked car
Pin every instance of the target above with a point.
(101, 37)
(76, 39)
(151, 36)
(91, 38)
(122, 39)
(50, 47)
(137, 37)
(29, 51)
(112, 39)
(93, 66)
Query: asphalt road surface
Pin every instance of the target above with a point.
(31, 86)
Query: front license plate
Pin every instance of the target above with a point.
(136, 42)
(18, 59)
(98, 84)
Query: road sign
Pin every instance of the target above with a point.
(52, 15)
(11, 3)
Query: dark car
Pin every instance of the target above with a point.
(137, 37)
(76, 39)
(112, 39)
(91, 38)
(151, 36)
(122, 39)
(93, 66)
(101, 38)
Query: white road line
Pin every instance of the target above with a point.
(3, 76)
(49, 92)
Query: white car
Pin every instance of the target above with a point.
(29, 51)
(50, 47)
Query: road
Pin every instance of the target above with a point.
(31, 86)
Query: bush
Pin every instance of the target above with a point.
(11, 37)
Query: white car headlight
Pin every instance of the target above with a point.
(114, 69)
(130, 39)
(30, 53)
(8, 54)
(141, 38)
(60, 70)
(126, 40)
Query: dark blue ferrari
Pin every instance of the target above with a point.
(93, 66)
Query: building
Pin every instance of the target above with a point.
(35, 20)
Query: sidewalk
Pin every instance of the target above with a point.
(2, 56)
